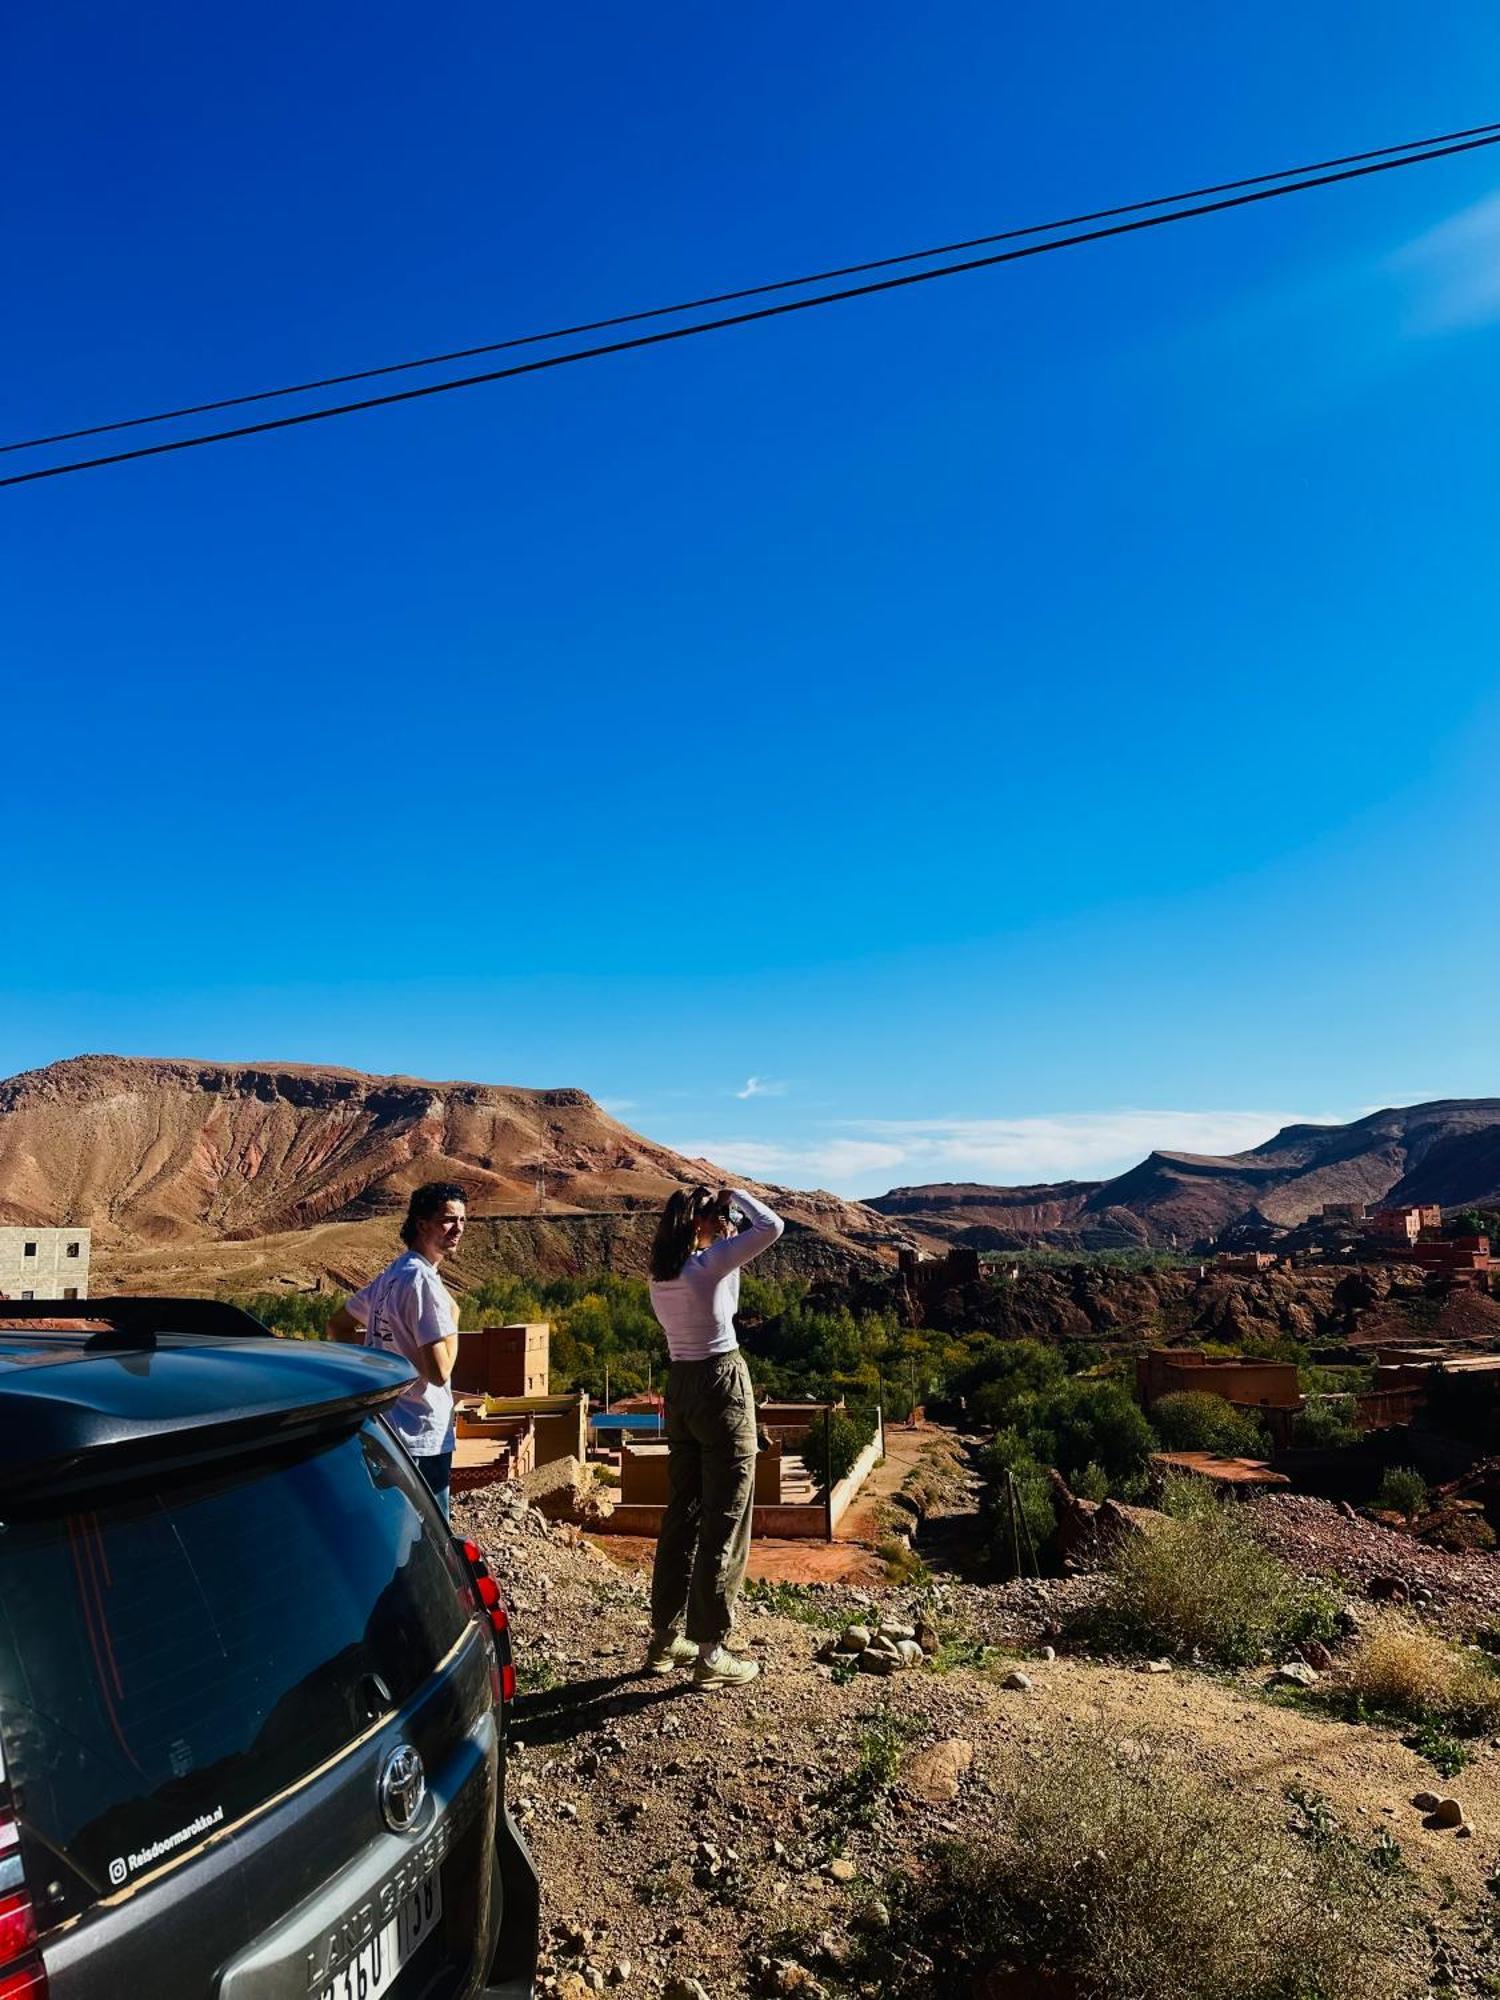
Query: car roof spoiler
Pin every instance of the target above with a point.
(137, 1321)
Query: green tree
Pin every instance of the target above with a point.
(1097, 1423)
(302, 1315)
(1195, 1420)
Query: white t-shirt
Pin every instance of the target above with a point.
(404, 1310)
(697, 1308)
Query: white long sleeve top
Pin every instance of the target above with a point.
(697, 1307)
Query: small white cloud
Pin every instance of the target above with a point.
(618, 1106)
(761, 1086)
(1454, 270)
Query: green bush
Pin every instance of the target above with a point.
(1185, 1496)
(1092, 1483)
(1194, 1420)
(1326, 1424)
(1201, 1586)
(1119, 1873)
(848, 1432)
(1402, 1491)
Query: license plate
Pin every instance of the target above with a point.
(377, 1964)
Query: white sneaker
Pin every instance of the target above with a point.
(663, 1655)
(723, 1669)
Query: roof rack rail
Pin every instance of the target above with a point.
(142, 1318)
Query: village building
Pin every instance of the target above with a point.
(507, 1422)
(1403, 1224)
(1340, 1211)
(1266, 1390)
(503, 1360)
(37, 1263)
(792, 1498)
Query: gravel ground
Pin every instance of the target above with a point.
(1317, 1538)
(684, 1837)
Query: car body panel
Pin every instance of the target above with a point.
(64, 1400)
(268, 1906)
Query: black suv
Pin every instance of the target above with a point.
(252, 1690)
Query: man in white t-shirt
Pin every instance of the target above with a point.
(407, 1311)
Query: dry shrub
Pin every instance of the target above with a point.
(1200, 1584)
(1120, 1876)
(902, 1563)
(1400, 1668)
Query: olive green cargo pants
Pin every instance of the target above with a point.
(705, 1533)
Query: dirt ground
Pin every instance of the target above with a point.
(770, 1561)
(689, 1836)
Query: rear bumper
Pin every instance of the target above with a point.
(513, 1959)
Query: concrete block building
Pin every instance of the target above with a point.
(40, 1263)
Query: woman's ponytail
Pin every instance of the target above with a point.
(677, 1232)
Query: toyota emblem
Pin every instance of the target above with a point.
(403, 1786)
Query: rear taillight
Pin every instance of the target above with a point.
(22, 1976)
(493, 1606)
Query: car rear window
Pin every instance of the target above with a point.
(172, 1656)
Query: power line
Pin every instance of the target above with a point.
(744, 292)
(657, 339)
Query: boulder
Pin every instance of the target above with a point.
(1295, 1673)
(934, 1775)
(565, 1491)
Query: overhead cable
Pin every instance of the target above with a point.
(744, 292)
(1141, 222)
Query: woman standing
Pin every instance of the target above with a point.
(705, 1535)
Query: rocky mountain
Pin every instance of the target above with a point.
(1446, 1152)
(200, 1172)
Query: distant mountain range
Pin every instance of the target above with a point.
(199, 1174)
(1446, 1152)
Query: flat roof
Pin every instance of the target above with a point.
(1227, 1471)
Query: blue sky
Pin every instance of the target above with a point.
(1016, 721)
